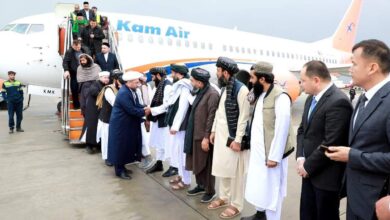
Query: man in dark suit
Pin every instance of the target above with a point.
(87, 13)
(107, 60)
(325, 121)
(368, 157)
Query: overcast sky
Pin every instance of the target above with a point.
(304, 20)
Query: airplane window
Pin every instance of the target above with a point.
(248, 50)
(261, 52)
(278, 54)
(169, 41)
(224, 47)
(282, 54)
(130, 38)
(8, 27)
(210, 46)
(242, 50)
(141, 38)
(273, 53)
(195, 44)
(231, 48)
(35, 28)
(178, 43)
(150, 39)
(20, 28)
(161, 40)
(237, 50)
(267, 52)
(254, 51)
(288, 55)
(202, 45)
(187, 43)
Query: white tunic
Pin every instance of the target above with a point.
(159, 137)
(266, 185)
(102, 128)
(176, 148)
(225, 160)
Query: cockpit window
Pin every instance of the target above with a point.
(8, 27)
(34, 28)
(20, 28)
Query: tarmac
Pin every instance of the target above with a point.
(44, 177)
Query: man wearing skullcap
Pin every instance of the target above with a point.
(272, 140)
(197, 146)
(91, 113)
(107, 60)
(105, 101)
(159, 131)
(125, 136)
(177, 118)
(230, 158)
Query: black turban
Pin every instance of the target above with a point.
(182, 69)
(227, 64)
(79, 14)
(200, 74)
(158, 70)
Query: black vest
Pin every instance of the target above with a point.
(105, 111)
(172, 110)
(160, 119)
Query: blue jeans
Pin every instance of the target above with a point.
(12, 109)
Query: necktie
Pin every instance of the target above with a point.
(312, 106)
(360, 109)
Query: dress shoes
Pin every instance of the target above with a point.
(172, 171)
(19, 130)
(124, 175)
(157, 167)
(257, 216)
(108, 163)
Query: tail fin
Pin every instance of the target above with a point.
(344, 37)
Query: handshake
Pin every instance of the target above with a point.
(147, 111)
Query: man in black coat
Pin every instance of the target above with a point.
(87, 12)
(70, 64)
(107, 60)
(368, 157)
(325, 121)
(91, 114)
(92, 37)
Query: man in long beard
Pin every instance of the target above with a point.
(270, 144)
(177, 118)
(229, 160)
(159, 131)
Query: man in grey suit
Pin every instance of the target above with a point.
(325, 121)
(368, 157)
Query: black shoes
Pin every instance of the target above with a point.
(206, 198)
(258, 216)
(11, 131)
(124, 175)
(90, 150)
(157, 167)
(172, 171)
(108, 163)
(19, 130)
(196, 191)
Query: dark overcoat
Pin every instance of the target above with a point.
(203, 123)
(125, 138)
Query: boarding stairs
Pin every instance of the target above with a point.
(72, 119)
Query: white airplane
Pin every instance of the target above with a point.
(34, 47)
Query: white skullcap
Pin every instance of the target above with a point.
(131, 75)
(104, 73)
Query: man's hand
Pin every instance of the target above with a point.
(340, 154)
(173, 132)
(382, 208)
(301, 169)
(66, 74)
(271, 164)
(212, 137)
(235, 146)
(147, 111)
(205, 144)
